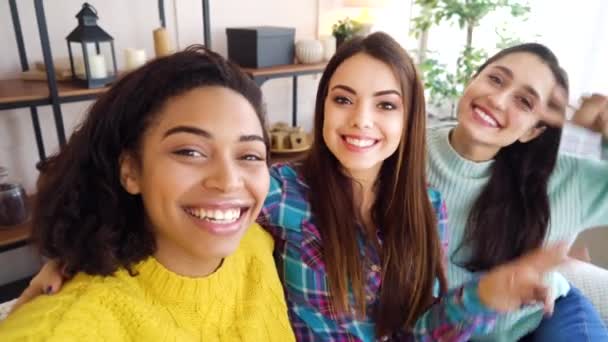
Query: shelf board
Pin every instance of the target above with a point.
(19, 93)
(15, 235)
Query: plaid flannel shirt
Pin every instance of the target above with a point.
(287, 216)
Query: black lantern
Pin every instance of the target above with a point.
(92, 70)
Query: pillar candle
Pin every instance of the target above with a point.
(97, 65)
(134, 58)
(162, 44)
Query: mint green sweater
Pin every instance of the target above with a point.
(578, 192)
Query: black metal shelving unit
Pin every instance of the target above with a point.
(33, 95)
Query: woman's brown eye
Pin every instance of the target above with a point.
(525, 102)
(252, 157)
(386, 106)
(341, 100)
(495, 79)
(186, 152)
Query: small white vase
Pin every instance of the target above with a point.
(309, 51)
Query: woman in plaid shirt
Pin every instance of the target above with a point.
(358, 234)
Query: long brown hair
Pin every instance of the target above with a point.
(511, 215)
(411, 253)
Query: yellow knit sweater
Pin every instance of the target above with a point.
(242, 301)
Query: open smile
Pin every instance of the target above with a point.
(216, 220)
(359, 143)
(485, 117)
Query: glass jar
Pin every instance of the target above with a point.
(14, 207)
(3, 174)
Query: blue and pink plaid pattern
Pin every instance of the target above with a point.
(287, 216)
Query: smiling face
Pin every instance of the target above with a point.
(501, 104)
(202, 178)
(364, 115)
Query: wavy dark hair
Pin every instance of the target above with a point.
(82, 215)
(511, 215)
(411, 252)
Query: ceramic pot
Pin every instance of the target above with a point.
(309, 51)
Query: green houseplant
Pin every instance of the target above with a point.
(345, 29)
(443, 85)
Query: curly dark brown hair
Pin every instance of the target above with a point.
(82, 215)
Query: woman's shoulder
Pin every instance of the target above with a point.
(288, 193)
(84, 298)
(286, 172)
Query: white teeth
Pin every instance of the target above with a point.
(486, 117)
(218, 216)
(360, 142)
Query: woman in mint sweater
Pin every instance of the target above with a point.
(508, 191)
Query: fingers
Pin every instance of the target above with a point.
(51, 283)
(48, 281)
(50, 278)
(533, 291)
(591, 110)
(545, 259)
(521, 282)
(549, 303)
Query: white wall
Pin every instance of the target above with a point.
(131, 24)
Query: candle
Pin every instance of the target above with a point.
(97, 66)
(162, 43)
(134, 58)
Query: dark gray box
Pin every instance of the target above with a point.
(260, 46)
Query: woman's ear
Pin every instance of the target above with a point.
(129, 173)
(532, 133)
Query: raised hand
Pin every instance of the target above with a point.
(509, 287)
(591, 114)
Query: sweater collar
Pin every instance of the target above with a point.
(161, 282)
(457, 164)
